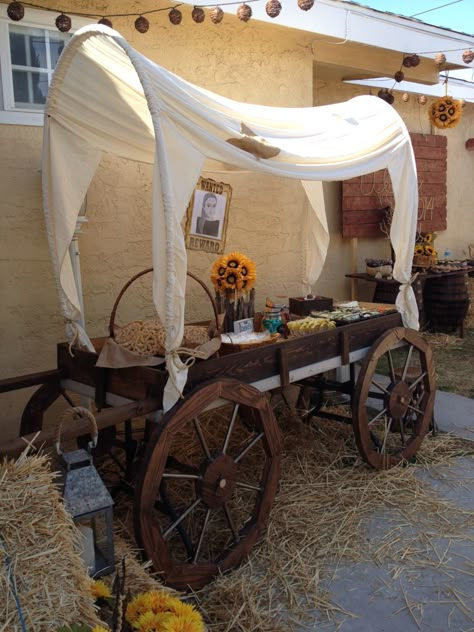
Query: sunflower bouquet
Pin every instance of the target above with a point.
(158, 611)
(233, 273)
(445, 112)
(425, 254)
(152, 611)
(233, 277)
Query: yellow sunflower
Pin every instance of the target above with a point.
(233, 272)
(429, 250)
(181, 609)
(428, 238)
(153, 601)
(99, 628)
(419, 249)
(152, 621)
(99, 590)
(445, 112)
(183, 623)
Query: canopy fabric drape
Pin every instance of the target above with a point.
(107, 97)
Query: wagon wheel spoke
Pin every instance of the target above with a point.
(254, 488)
(201, 536)
(407, 363)
(177, 522)
(415, 409)
(379, 386)
(248, 447)
(414, 384)
(395, 432)
(230, 522)
(166, 507)
(230, 428)
(391, 366)
(202, 440)
(382, 412)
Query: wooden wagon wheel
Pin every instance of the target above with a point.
(393, 430)
(208, 480)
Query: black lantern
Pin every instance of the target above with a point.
(88, 501)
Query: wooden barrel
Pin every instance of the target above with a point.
(446, 300)
(386, 291)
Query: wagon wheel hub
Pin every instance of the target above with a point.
(398, 399)
(218, 481)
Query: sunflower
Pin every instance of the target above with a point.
(234, 272)
(99, 628)
(429, 250)
(183, 623)
(428, 238)
(99, 590)
(186, 610)
(445, 112)
(153, 601)
(419, 249)
(152, 621)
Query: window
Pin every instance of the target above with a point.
(29, 51)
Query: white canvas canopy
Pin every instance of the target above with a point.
(105, 96)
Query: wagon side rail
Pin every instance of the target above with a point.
(104, 419)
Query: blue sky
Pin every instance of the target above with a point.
(458, 16)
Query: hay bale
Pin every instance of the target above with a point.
(40, 572)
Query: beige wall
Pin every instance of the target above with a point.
(460, 231)
(249, 62)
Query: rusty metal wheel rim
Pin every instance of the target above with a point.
(396, 430)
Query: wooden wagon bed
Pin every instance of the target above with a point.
(265, 367)
(208, 468)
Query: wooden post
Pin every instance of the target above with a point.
(354, 242)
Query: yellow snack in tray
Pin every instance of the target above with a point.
(310, 325)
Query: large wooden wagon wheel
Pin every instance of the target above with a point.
(208, 480)
(391, 415)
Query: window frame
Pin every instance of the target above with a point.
(34, 18)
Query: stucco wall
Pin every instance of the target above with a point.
(250, 62)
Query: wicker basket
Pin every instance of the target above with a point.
(195, 335)
(424, 261)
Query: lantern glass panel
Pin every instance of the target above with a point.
(96, 545)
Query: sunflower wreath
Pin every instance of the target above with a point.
(233, 272)
(445, 112)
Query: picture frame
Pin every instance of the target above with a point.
(207, 216)
(245, 324)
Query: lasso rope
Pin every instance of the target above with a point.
(72, 414)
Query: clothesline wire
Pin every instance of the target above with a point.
(436, 8)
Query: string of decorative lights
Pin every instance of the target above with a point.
(16, 12)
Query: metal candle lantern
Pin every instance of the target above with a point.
(87, 500)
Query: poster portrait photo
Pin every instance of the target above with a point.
(207, 216)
